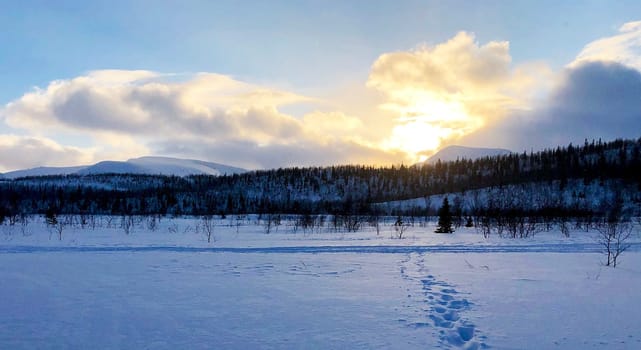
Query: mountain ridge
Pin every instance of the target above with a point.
(152, 165)
(454, 152)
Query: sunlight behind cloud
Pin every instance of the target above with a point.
(416, 136)
(443, 92)
(426, 122)
(595, 96)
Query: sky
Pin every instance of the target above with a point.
(266, 84)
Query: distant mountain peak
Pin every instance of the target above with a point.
(454, 152)
(151, 165)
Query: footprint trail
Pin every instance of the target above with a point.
(442, 307)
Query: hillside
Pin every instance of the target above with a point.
(453, 153)
(43, 171)
(610, 168)
(144, 165)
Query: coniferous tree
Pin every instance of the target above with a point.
(469, 222)
(50, 217)
(444, 218)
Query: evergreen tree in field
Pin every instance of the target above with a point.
(50, 217)
(444, 218)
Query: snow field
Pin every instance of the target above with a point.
(169, 288)
(548, 300)
(203, 300)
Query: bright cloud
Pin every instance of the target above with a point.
(624, 48)
(25, 151)
(443, 92)
(140, 110)
(141, 103)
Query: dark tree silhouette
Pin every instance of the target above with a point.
(444, 218)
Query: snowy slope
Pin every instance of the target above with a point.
(452, 153)
(108, 167)
(43, 171)
(160, 166)
(529, 196)
(143, 165)
(182, 167)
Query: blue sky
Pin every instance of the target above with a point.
(276, 40)
(323, 52)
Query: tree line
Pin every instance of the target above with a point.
(334, 190)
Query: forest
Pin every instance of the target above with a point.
(608, 167)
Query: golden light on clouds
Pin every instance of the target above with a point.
(414, 137)
(440, 93)
(413, 103)
(124, 114)
(425, 122)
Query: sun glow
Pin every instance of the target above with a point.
(425, 121)
(416, 136)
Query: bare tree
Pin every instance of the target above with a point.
(319, 223)
(109, 221)
(127, 223)
(58, 225)
(305, 222)
(352, 222)
(239, 222)
(82, 219)
(152, 224)
(615, 231)
(207, 223)
(24, 224)
(271, 221)
(400, 226)
(267, 224)
(613, 237)
(484, 225)
(54, 223)
(563, 225)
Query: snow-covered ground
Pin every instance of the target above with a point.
(169, 288)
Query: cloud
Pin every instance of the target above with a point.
(334, 126)
(143, 111)
(457, 65)
(140, 103)
(623, 48)
(443, 92)
(597, 95)
(595, 100)
(19, 152)
(459, 91)
(592, 100)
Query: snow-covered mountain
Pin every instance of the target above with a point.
(452, 153)
(42, 171)
(143, 165)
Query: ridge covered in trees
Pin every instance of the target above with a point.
(347, 189)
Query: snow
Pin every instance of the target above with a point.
(548, 300)
(43, 171)
(112, 167)
(169, 288)
(183, 167)
(143, 165)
